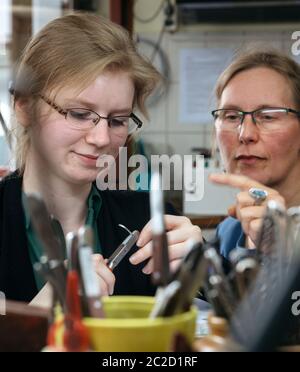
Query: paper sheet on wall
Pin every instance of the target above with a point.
(199, 71)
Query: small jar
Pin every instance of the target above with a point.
(217, 340)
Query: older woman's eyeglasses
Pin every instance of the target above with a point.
(266, 119)
(86, 119)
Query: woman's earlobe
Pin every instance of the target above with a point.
(21, 112)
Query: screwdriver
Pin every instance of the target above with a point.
(76, 336)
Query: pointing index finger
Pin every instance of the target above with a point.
(238, 181)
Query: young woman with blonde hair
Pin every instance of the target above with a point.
(78, 82)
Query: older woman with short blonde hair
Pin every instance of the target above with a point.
(258, 134)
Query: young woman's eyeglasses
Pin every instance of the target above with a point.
(267, 119)
(85, 119)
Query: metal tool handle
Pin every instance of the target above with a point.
(122, 250)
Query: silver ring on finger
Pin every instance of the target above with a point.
(258, 195)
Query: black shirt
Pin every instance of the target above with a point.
(129, 208)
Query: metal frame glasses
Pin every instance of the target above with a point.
(83, 118)
(267, 118)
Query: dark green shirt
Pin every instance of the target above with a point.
(94, 203)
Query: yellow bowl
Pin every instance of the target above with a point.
(128, 328)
